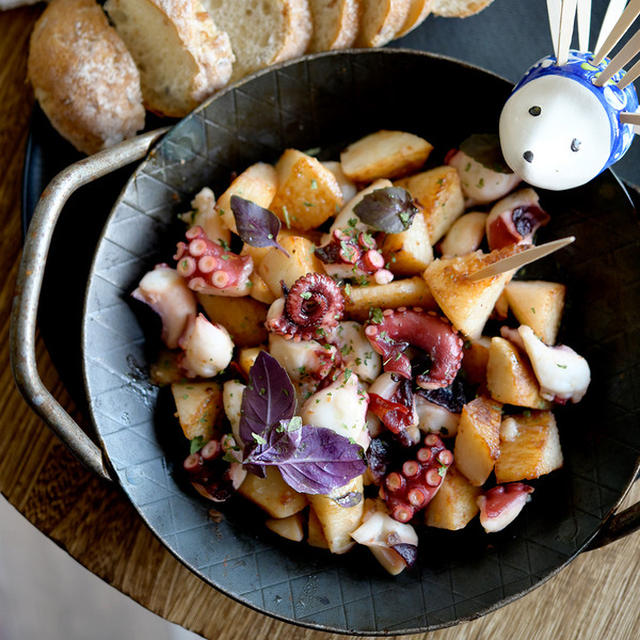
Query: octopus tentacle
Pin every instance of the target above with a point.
(313, 305)
(402, 327)
(411, 488)
(500, 505)
(210, 268)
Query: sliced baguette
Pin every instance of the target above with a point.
(380, 21)
(262, 32)
(418, 11)
(335, 24)
(71, 48)
(459, 8)
(182, 56)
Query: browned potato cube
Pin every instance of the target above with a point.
(273, 494)
(501, 308)
(467, 304)
(455, 503)
(539, 305)
(315, 536)
(439, 194)
(308, 193)
(243, 318)
(411, 292)
(339, 522)
(260, 290)
(302, 259)
(198, 407)
(165, 369)
(534, 451)
(290, 528)
(475, 358)
(478, 441)
(409, 253)
(248, 356)
(384, 154)
(510, 378)
(258, 183)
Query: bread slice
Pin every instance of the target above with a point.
(335, 24)
(71, 47)
(418, 11)
(262, 32)
(182, 56)
(459, 8)
(380, 21)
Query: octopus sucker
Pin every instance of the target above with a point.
(402, 327)
(313, 305)
(209, 268)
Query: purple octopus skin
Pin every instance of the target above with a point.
(402, 327)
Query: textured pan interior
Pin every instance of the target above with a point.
(327, 101)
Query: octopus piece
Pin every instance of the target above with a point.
(433, 334)
(205, 215)
(352, 253)
(356, 352)
(341, 407)
(209, 268)
(433, 418)
(411, 489)
(304, 359)
(211, 475)
(380, 456)
(168, 295)
(312, 307)
(514, 219)
(501, 505)
(207, 348)
(562, 373)
(392, 400)
(480, 184)
(393, 543)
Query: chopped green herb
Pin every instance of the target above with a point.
(347, 374)
(562, 366)
(533, 310)
(295, 423)
(307, 204)
(442, 470)
(196, 444)
(305, 295)
(375, 315)
(527, 413)
(258, 438)
(468, 166)
(353, 222)
(347, 289)
(285, 213)
(224, 244)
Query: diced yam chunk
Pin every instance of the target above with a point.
(535, 450)
(467, 304)
(539, 305)
(455, 503)
(510, 378)
(290, 528)
(384, 154)
(409, 253)
(242, 317)
(338, 522)
(411, 292)
(439, 195)
(276, 266)
(273, 494)
(308, 193)
(258, 183)
(478, 441)
(198, 407)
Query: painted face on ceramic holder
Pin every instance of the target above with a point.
(558, 130)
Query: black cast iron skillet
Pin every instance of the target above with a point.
(327, 101)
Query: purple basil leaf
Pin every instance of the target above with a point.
(268, 398)
(350, 499)
(408, 552)
(256, 226)
(390, 209)
(310, 459)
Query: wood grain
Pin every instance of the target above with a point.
(598, 596)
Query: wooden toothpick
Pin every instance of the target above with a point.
(584, 24)
(567, 21)
(520, 259)
(619, 29)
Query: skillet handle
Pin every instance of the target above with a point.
(617, 527)
(29, 283)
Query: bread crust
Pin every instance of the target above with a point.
(346, 28)
(390, 18)
(207, 47)
(418, 11)
(83, 76)
(458, 8)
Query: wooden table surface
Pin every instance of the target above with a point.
(598, 596)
